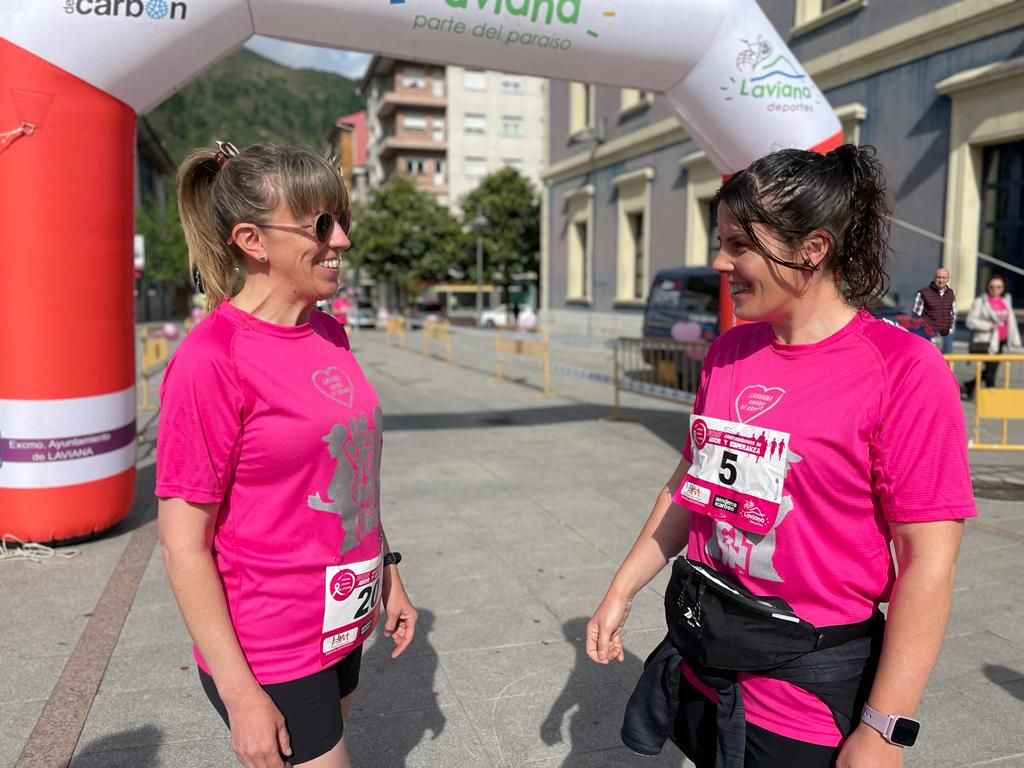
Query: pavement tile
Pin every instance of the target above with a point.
(19, 718)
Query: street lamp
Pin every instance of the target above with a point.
(479, 222)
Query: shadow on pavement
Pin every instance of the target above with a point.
(669, 426)
(592, 716)
(395, 704)
(128, 749)
(1010, 680)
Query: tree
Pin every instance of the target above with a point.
(166, 251)
(511, 239)
(403, 236)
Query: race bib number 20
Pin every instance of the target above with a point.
(351, 606)
(737, 473)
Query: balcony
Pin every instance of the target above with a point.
(409, 143)
(418, 99)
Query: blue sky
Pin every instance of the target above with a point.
(347, 63)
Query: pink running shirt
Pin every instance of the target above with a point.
(279, 426)
(877, 436)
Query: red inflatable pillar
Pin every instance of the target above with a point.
(67, 367)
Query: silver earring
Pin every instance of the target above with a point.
(263, 259)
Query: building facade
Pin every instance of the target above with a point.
(495, 120)
(935, 85)
(448, 127)
(406, 120)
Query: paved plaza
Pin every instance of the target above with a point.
(512, 512)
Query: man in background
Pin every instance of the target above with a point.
(937, 305)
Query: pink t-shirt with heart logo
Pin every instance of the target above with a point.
(279, 426)
(876, 435)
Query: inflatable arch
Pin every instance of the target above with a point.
(74, 73)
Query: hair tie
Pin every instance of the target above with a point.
(225, 151)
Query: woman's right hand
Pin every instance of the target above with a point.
(604, 630)
(258, 733)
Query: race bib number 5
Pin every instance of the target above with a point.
(737, 473)
(351, 606)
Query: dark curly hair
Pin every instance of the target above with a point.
(794, 192)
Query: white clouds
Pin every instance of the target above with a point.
(347, 63)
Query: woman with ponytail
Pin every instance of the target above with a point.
(819, 437)
(268, 462)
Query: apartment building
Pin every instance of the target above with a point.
(406, 113)
(496, 120)
(448, 127)
(935, 85)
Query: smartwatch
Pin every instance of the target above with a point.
(392, 558)
(895, 729)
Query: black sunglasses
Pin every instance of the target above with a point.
(323, 226)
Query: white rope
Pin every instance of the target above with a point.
(940, 239)
(28, 550)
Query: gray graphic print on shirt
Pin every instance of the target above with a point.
(747, 552)
(354, 491)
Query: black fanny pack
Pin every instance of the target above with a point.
(718, 624)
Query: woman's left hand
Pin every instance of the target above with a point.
(400, 625)
(865, 748)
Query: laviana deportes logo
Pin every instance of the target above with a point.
(133, 9)
(770, 78)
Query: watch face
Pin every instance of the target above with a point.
(904, 731)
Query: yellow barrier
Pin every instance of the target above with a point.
(395, 329)
(1003, 403)
(440, 332)
(518, 345)
(154, 354)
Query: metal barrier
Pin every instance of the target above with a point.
(437, 331)
(154, 358)
(395, 329)
(1002, 403)
(660, 368)
(518, 347)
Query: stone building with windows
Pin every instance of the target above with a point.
(935, 85)
(448, 127)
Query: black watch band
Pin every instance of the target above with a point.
(392, 558)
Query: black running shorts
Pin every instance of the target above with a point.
(311, 706)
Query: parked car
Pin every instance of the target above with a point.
(682, 294)
(363, 315)
(422, 310)
(496, 317)
(887, 308)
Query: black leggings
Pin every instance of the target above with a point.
(694, 734)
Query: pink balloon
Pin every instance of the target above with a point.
(170, 331)
(198, 313)
(683, 332)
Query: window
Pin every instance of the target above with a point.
(415, 123)
(580, 207)
(513, 162)
(702, 181)
(635, 99)
(476, 168)
(414, 77)
(511, 84)
(439, 173)
(633, 190)
(981, 176)
(438, 128)
(474, 124)
(635, 222)
(438, 84)
(1002, 213)
(474, 80)
(512, 126)
(811, 14)
(416, 166)
(581, 107)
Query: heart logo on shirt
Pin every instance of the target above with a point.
(756, 400)
(336, 384)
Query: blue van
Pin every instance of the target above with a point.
(682, 294)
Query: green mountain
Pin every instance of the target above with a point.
(245, 98)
